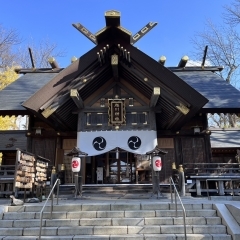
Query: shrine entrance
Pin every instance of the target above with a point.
(121, 170)
(114, 167)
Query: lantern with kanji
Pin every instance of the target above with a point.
(76, 164)
(157, 163)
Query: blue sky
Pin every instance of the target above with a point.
(178, 21)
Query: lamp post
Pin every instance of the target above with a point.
(76, 153)
(156, 167)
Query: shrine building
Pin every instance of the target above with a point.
(115, 103)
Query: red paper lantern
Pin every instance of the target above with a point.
(157, 163)
(76, 164)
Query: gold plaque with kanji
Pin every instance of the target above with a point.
(116, 111)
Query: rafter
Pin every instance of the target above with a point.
(76, 98)
(61, 80)
(49, 111)
(128, 88)
(59, 99)
(155, 96)
(100, 93)
(114, 63)
(183, 109)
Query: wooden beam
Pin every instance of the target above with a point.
(49, 111)
(51, 108)
(155, 96)
(197, 68)
(152, 82)
(63, 125)
(183, 62)
(52, 61)
(76, 98)
(85, 32)
(204, 56)
(173, 120)
(100, 93)
(56, 102)
(114, 63)
(127, 87)
(104, 110)
(61, 80)
(183, 109)
(38, 70)
(112, 18)
(161, 75)
(162, 60)
(31, 57)
(143, 31)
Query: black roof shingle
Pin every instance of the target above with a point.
(10, 140)
(222, 96)
(23, 88)
(228, 138)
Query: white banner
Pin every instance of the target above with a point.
(99, 142)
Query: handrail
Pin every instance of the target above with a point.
(41, 212)
(219, 164)
(183, 208)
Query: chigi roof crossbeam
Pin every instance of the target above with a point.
(112, 18)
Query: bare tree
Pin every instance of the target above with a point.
(14, 53)
(221, 120)
(232, 14)
(41, 52)
(224, 46)
(223, 50)
(8, 39)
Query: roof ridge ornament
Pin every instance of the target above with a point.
(85, 32)
(112, 13)
(143, 31)
(112, 18)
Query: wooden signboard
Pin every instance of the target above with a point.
(116, 112)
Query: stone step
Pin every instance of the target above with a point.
(108, 214)
(113, 221)
(126, 237)
(110, 222)
(110, 230)
(108, 207)
(68, 189)
(189, 237)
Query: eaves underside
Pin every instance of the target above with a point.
(173, 90)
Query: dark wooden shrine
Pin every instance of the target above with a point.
(174, 101)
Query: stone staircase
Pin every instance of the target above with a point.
(113, 221)
(68, 189)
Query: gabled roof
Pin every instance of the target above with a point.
(11, 140)
(225, 138)
(12, 97)
(222, 96)
(55, 95)
(178, 101)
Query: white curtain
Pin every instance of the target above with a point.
(99, 142)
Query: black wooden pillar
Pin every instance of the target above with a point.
(207, 141)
